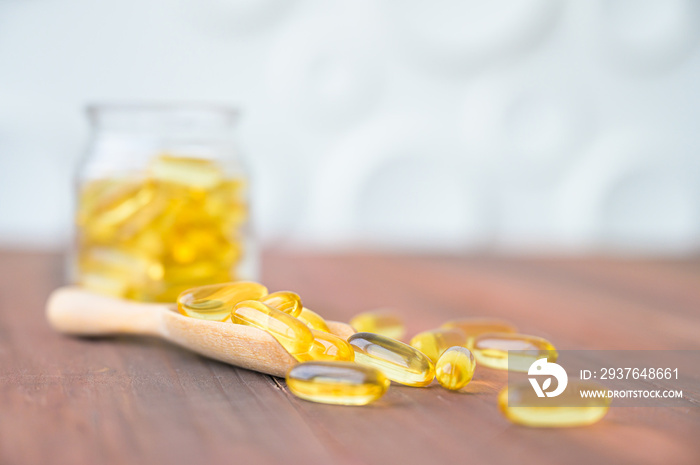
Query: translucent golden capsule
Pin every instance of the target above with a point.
(111, 210)
(434, 342)
(215, 302)
(491, 350)
(398, 361)
(191, 172)
(327, 347)
(343, 383)
(294, 336)
(284, 301)
(455, 368)
(473, 327)
(113, 271)
(520, 404)
(313, 320)
(182, 216)
(100, 196)
(382, 322)
(227, 201)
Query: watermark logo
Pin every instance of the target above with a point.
(542, 367)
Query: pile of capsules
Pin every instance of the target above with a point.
(150, 236)
(358, 371)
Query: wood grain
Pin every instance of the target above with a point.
(139, 400)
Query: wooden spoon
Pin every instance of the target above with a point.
(72, 310)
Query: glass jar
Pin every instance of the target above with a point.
(162, 202)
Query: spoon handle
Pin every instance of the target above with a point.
(71, 310)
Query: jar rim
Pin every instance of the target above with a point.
(161, 107)
(166, 116)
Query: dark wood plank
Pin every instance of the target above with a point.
(137, 400)
(563, 307)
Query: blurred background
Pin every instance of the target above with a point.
(508, 126)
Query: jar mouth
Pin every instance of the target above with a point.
(162, 116)
(161, 107)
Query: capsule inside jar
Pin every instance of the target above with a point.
(151, 235)
(398, 361)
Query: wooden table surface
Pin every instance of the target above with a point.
(136, 400)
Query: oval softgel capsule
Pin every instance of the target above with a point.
(291, 333)
(512, 351)
(215, 302)
(520, 405)
(284, 301)
(313, 320)
(434, 342)
(382, 322)
(343, 383)
(455, 368)
(327, 347)
(398, 361)
(473, 327)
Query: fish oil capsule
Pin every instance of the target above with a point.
(520, 404)
(343, 383)
(473, 327)
(382, 322)
(313, 320)
(291, 333)
(113, 210)
(491, 350)
(434, 342)
(189, 172)
(181, 215)
(284, 301)
(328, 347)
(455, 368)
(215, 302)
(398, 361)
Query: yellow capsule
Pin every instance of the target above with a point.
(520, 404)
(227, 200)
(118, 209)
(284, 301)
(343, 383)
(473, 327)
(455, 368)
(114, 271)
(398, 361)
(328, 347)
(434, 342)
(379, 322)
(215, 302)
(191, 172)
(182, 215)
(294, 336)
(491, 350)
(313, 320)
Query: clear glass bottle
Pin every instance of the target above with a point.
(162, 202)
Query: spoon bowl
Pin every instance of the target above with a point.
(75, 311)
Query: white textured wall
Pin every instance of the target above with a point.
(451, 124)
